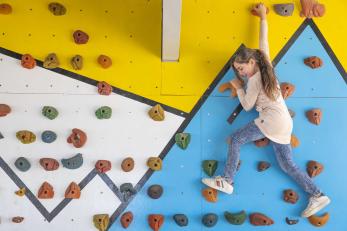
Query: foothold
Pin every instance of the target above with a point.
(319, 221)
(28, 61)
(155, 191)
(49, 164)
(45, 191)
(311, 8)
(262, 142)
(154, 163)
(80, 37)
(73, 191)
(51, 61)
(235, 218)
(57, 9)
(17, 219)
(104, 61)
(104, 88)
(263, 165)
(210, 166)
(210, 219)
(259, 219)
(287, 89)
(255, 10)
(294, 141)
(225, 86)
(26, 137)
(314, 116)
(313, 62)
(78, 138)
(77, 62)
(73, 162)
(101, 221)
(103, 166)
(127, 191)
(22, 164)
(291, 113)
(4, 110)
(181, 219)
(290, 196)
(48, 136)
(103, 112)
(291, 221)
(1, 136)
(155, 221)
(210, 194)
(5, 8)
(21, 192)
(128, 164)
(157, 113)
(50, 112)
(314, 168)
(284, 9)
(126, 219)
(182, 140)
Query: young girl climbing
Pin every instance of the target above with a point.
(274, 121)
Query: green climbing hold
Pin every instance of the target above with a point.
(50, 112)
(210, 166)
(235, 218)
(182, 140)
(103, 112)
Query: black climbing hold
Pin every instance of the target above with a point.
(127, 191)
(181, 219)
(210, 219)
(155, 191)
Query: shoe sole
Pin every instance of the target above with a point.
(317, 208)
(216, 187)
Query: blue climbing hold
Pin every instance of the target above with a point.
(48, 136)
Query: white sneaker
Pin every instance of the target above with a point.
(218, 183)
(315, 204)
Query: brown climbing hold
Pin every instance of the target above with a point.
(154, 163)
(126, 219)
(25, 136)
(294, 141)
(51, 61)
(104, 61)
(28, 61)
(128, 164)
(4, 110)
(80, 37)
(262, 142)
(77, 62)
(314, 168)
(311, 8)
(287, 89)
(313, 62)
(78, 138)
(103, 166)
(45, 191)
(5, 8)
(210, 194)
(263, 165)
(314, 116)
(57, 9)
(155, 221)
(319, 221)
(21, 192)
(290, 196)
(17, 219)
(255, 10)
(49, 164)
(260, 219)
(104, 88)
(73, 191)
(157, 113)
(225, 86)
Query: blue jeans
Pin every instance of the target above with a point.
(283, 152)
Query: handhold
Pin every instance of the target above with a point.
(294, 141)
(49, 164)
(78, 138)
(22, 164)
(287, 89)
(181, 219)
(263, 165)
(5, 8)
(48, 136)
(155, 191)
(284, 9)
(291, 113)
(57, 9)
(313, 62)
(291, 221)
(28, 61)
(210, 166)
(104, 112)
(128, 164)
(73, 162)
(50, 112)
(314, 168)
(104, 88)
(77, 62)
(127, 191)
(262, 142)
(255, 10)
(45, 191)
(155, 221)
(259, 219)
(103, 166)
(210, 194)
(319, 221)
(80, 37)
(182, 140)
(223, 87)
(311, 8)
(126, 219)
(314, 116)
(17, 219)
(73, 191)
(157, 113)
(290, 196)
(101, 221)
(235, 218)
(51, 61)
(21, 192)
(210, 219)
(104, 61)
(154, 163)
(4, 110)
(25, 136)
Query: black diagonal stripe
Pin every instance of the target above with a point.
(111, 185)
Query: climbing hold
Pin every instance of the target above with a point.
(262, 142)
(291, 221)
(49, 164)
(50, 112)
(287, 89)
(101, 221)
(73, 191)
(294, 141)
(1, 136)
(104, 88)
(78, 138)
(17, 219)
(314, 116)
(182, 140)
(21, 192)
(181, 219)
(48, 136)
(155, 221)
(104, 112)
(260, 219)
(22, 164)
(284, 9)
(225, 86)
(73, 162)
(311, 8)
(104, 61)
(128, 164)
(314, 168)
(103, 166)
(290, 196)
(77, 62)
(210, 194)
(80, 37)
(235, 218)
(255, 10)
(210, 219)
(5, 8)
(210, 166)
(154, 163)
(28, 61)
(263, 165)
(313, 62)
(155, 191)
(126, 219)
(4, 110)
(25, 136)
(45, 191)
(157, 113)
(51, 61)
(57, 9)
(319, 221)
(127, 191)
(291, 113)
